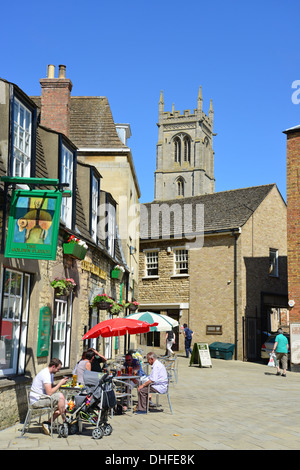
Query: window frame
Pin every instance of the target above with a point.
(111, 225)
(148, 253)
(273, 268)
(66, 304)
(67, 204)
(185, 270)
(94, 206)
(30, 169)
(20, 332)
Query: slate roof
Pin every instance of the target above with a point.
(91, 123)
(226, 210)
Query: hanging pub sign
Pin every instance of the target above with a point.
(33, 224)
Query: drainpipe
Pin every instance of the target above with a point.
(235, 234)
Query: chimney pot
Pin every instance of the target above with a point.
(62, 71)
(51, 70)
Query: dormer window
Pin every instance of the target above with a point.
(22, 139)
(95, 183)
(67, 176)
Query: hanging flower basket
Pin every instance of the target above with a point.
(75, 248)
(63, 287)
(116, 309)
(118, 272)
(102, 302)
(132, 306)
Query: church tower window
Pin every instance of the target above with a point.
(177, 150)
(180, 187)
(187, 149)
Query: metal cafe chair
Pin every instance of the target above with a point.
(157, 395)
(37, 412)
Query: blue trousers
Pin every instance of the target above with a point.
(187, 346)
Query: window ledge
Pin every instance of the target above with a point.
(145, 278)
(180, 275)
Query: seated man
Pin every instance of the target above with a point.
(158, 381)
(43, 385)
(134, 363)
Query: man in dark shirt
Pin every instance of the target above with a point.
(188, 334)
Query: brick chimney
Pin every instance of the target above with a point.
(56, 100)
(293, 217)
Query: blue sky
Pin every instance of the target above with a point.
(245, 55)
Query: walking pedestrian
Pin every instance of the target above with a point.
(170, 340)
(188, 335)
(281, 347)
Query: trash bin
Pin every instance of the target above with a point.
(220, 350)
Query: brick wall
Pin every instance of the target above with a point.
(55, 104)
(293, 221)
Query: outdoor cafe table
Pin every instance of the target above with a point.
(71, 391)
(127, 379)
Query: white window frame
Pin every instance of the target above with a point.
(181, 261)
(16, 306)
(94, 207)
(62, 324)
(111, 228)
(22, 139)
(67, 169)
(151, 262)
(273, 262)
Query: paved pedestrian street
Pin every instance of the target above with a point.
(233, 405)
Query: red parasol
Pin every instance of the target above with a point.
(118, 327)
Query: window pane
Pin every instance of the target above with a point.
(22, 139)
(11, 318)
(152, 263)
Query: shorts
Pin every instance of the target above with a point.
(45, 401)
(283, 357)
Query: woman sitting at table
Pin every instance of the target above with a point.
(83, 365)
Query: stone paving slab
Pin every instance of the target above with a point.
(233, 405)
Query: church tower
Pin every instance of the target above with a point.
(184, 156)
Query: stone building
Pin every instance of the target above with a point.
(103, 144)
(216, 261)
(35, 142)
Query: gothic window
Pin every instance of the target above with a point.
(177, 150)
(180, 187)
(187, 149)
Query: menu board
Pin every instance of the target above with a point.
(295, 342)
(201, 355)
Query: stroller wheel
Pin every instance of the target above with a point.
(63, 430)
(97, 433)
(107, 429)
(74, 428)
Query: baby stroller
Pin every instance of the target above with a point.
(93, 404)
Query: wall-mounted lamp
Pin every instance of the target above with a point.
(169, 250)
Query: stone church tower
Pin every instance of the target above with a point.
(185, 156)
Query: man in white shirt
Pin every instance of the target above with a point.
(43, 385)
(158, 381)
